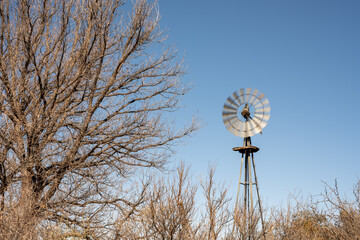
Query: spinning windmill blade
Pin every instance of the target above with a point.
(246, 112)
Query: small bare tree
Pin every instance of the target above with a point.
(215, 221)
(331, 216)
(246, 224)
(83, 93)
(167, 213)
(298, 222)
(342, 214)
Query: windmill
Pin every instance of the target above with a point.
(245, 113)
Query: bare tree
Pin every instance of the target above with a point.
(298, 222)
(342, 214)
(218, 215)
(84, 90)
(245, 224)
(167, 213)
(329, 216)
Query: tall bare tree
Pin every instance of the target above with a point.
(84, 89)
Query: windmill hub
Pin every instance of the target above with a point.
(246, 112)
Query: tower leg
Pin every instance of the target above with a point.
(259, 201)
(238, 191)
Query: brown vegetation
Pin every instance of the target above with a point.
(171, 211)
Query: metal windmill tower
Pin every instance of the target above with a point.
(245, 113)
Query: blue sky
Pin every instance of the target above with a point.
(305, 56)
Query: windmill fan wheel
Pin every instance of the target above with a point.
(246, 112)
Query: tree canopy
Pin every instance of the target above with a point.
(84, 88)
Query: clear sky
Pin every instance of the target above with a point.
(305, 56)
